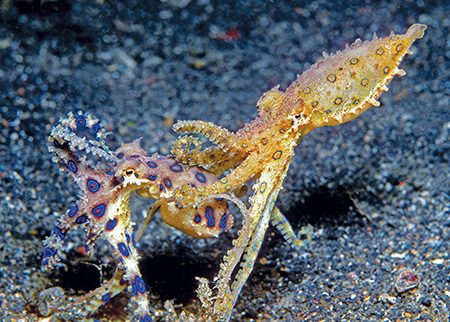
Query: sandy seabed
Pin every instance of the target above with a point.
(375, 191)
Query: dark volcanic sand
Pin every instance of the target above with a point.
(375, 191)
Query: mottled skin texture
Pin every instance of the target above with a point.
(334, 91)
(209, 220)
(106, 181)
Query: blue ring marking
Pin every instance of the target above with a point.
(145, 318)
(80, 120)
(168, 183)
(72, 166)
(111, 224)
(81, 220)
(99, 210)
(133, 241)
(92, 185)
(160, 187)
(176, 167)
(72, 211)
(152, 164)
(94, 128)
(58, 232)
(140, 284)
(134, 289)
(200, 177)
(110, 173)
(128, 238)
(153, 177)
(106, 297)
(120, 155)
(197, 219)
(49, 252)
(123, 249)
(223, 221)
(209, 214)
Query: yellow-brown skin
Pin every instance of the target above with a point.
(107, 181)
(334, 91)
(169, 175)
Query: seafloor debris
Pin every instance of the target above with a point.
(406, 280)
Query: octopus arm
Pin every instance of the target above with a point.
(232, 181)
(121, 238)
(218, 135)
(261, 205)
(344, 85)
(280, 222)
(188, 152)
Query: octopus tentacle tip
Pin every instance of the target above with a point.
(416, 31)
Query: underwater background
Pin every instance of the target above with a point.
(375, 191)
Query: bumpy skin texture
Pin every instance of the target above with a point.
(106, 181)
(334, 91)
(166, 174)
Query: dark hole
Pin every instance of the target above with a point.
(81, 277)
(325, 207)
(172, 276)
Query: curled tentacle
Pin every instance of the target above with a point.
(82, 134)
(214, 159)
(230, 260)
(52, 254)
(223, 138)
(278, 220)
(72, 141)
